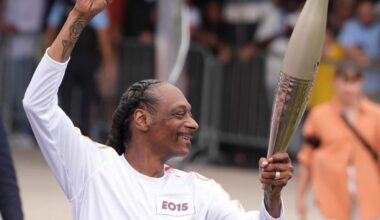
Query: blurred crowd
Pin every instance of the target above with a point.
(230, 29)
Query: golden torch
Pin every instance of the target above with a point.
(297, 76)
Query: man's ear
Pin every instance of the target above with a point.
(141, 119)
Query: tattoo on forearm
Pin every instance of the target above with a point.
(75, 31)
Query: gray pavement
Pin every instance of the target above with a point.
(43, 199)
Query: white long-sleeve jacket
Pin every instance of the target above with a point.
(100, 184)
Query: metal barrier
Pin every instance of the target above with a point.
(245, 108)
(229, 102)
(136, 62)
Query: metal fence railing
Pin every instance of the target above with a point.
(245, 110)
(228, 101)
(136, 62)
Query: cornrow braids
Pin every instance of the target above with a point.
(135, 96)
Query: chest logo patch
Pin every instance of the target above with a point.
(174, 207)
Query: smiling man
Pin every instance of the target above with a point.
(127, 178)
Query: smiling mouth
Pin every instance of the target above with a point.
(186, 136)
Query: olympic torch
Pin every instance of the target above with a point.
(297, 76)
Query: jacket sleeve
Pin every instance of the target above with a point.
(221, 207)
(71, 156)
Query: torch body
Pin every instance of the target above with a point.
(297, 76)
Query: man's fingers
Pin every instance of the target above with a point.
(279, 158)
(280, 163)
(263, 162)
(272, 167)
(279, 182)
(272, 175)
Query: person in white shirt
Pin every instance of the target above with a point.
(127, 178)
(20, 32)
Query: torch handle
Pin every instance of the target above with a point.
(288, 108)
(267, 187)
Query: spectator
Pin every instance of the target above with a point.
(10, 202)
(278, 21)
(139, 20)
(242, 16)
(360, 40)
(78, 89)
(21, 27)
(116, 14)
(273, 34)
(341, 11)
(339, 153)
(377, 9)
(323, 88)
(194, 15)
(214, 31)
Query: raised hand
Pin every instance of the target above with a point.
(77, 20)
(275, 171)
(280, 163)
(89, 8)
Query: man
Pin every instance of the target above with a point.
(339, 155)
(129, 179)
(360, 40)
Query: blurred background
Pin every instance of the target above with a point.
(225, 55)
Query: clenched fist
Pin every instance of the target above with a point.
(89, 8)
(276, 171)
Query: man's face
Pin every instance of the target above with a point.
(172, 126)
(348, 86)
(366, 13)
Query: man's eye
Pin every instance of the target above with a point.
(179, 114)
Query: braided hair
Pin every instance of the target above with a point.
(135, 96)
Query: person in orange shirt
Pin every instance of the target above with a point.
(340, 165)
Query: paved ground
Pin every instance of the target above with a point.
(43, 199)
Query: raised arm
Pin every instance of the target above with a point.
(82, 13)
(108, 68)
(71, 156)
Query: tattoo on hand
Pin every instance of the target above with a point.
(75, 31)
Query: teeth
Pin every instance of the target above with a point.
(186, 136)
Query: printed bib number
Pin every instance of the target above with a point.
(174, 207)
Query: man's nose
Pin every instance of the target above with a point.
(191, 123)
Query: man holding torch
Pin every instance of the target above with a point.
(127, 178)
